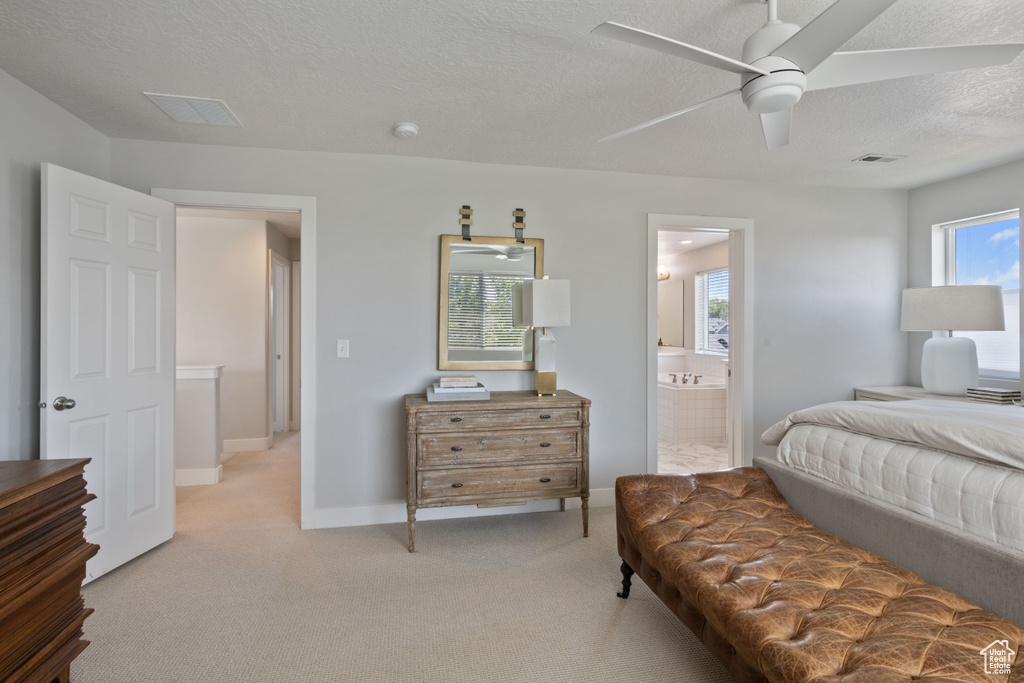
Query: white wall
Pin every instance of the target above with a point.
(277, 241)
(295, 419)
(975, 194)
(221, 315)
(32, 130)
(829, 267)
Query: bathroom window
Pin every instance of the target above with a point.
(480, 311)
(986, 251)
(712, 324)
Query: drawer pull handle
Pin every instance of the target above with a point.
(456, 448)
(545, 416)
(545, 480)
(456, 419)
(544, 444)
(456, 486)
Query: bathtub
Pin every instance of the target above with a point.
(689, 413)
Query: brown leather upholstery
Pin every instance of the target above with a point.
(776, 598)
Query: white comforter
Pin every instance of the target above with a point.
(979, 431)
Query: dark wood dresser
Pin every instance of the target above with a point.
(515, 447)
(42, 565)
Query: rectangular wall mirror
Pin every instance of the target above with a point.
(475, 313)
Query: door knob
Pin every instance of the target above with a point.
(62, 403)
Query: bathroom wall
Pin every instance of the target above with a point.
(684, 267)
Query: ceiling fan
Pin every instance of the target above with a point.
(783, 61)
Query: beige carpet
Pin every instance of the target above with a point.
(241, 594)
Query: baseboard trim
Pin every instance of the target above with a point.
(392, 513)
(260, 443)
(200, 477)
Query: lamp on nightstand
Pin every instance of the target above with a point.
(543, 304)
(949, 365)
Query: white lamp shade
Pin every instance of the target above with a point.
(545, 303)
(954, 307)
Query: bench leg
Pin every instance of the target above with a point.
(627, 579)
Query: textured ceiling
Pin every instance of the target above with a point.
(518, 82)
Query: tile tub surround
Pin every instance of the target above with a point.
(690, 413)
(680, 361)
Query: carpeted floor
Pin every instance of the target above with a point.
(241, 594)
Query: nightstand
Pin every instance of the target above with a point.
(900, 393)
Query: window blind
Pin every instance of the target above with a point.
(712, 309)
(480, 311)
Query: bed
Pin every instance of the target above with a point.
(934, 486)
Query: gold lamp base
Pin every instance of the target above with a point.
(546, 383)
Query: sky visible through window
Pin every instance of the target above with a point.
(989, 254)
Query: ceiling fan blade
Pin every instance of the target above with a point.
(851, 68)
(628, 131)
(812, 44)
(635, 36)
(776, 128)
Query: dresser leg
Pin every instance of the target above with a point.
(561, 504)
(412, 530)
(586, 514)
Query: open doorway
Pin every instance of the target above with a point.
(287, 326)
(731, 336)
(693, 350)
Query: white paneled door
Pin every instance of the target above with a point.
(107, 356)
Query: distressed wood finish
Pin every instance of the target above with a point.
(511, 449)
(42, 565)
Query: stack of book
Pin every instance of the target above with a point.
(458, 388)
(989, 395)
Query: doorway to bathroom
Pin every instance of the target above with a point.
(696, 394)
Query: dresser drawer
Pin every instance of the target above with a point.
(500, 482)
(515, 445)
(456, 420)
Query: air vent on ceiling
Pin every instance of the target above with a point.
(880, 158)
(185, 109)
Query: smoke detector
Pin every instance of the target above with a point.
(405, 130)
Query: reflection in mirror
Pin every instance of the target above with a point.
(477, 276)
(671, 312)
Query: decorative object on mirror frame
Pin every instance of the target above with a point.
(457, 388)
(663, 273)
(949, 365)
(519, 224)
(465, 221)
(542, 304)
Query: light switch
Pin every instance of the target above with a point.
(343, 348)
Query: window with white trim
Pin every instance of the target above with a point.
(712, 310)
(986, 251)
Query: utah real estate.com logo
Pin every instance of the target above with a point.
(998, 657)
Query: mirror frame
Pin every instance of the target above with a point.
(442, 327)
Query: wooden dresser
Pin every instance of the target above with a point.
(42, 566)
(515, 447)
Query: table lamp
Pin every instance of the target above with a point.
(543, 304)
(949, 365)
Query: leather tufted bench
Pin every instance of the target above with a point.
(775, 598)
